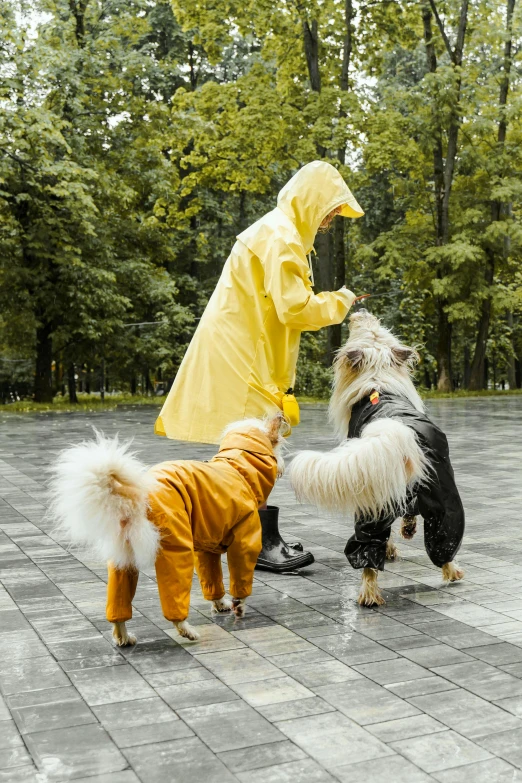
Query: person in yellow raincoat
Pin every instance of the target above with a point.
(242, 358)
(243, 355)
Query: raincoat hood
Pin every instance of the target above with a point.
(252, 455)
(311, 194)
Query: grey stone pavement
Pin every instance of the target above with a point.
(308, 687)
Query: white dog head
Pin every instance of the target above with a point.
(372, 347)
(372, 359)
(275, 426)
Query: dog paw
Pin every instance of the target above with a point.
(452, 573)
(408, 527)
(222, 605)
(186, 630)
(121, 637)
(392, 553)
(375, 599)
(239, 606)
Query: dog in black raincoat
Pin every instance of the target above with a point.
(395, 460)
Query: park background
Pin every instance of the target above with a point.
(139, 137)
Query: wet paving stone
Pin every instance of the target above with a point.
(64, 754)
(308, 687)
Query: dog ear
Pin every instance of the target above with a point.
(353, 356)
(404, 355)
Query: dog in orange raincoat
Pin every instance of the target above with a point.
(174, 516)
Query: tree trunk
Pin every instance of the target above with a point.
(443, 170)
(43, 386)
(102, 380)
(133, 383)
(71, 384)
(78, 8)
(476, 381)
(511, 369)
(438, 155)
(443, 345)
(445, 382)
(322, 262)
(311, 48)
(477, 367)
(467, 367)
(335, 332)
(193, 73)
(56, 373)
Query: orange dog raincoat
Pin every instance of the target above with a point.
(202, 510)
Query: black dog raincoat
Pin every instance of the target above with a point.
(438, 501)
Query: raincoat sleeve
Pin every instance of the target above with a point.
(287, 283)
(242, 554)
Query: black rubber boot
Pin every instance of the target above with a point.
(276, 554)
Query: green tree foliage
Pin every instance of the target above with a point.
(138, 139)
(84, 162)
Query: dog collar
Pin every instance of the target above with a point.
(374, 398)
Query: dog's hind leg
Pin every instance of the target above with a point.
(370, 594)
(221, 605)
(187, 630)
(451, 572)
(392, 553)
(121, 636)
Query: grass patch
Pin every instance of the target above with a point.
(430, 394)
(90, 403)
(433, 394)
(87, 403)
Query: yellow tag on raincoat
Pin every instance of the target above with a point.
(291, 408)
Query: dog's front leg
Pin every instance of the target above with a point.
(370, 594)
(408, 526)
(186, 630)
(239, 606)
(392, 553)
(451, 572)
(121, 636)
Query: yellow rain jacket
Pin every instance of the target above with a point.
(204, 509)
(243, 355)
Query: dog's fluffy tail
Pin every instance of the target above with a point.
(367, 475)
(99, 499)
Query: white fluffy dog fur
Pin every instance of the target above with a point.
(95, 486)
(99, 499)
(373, 473)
